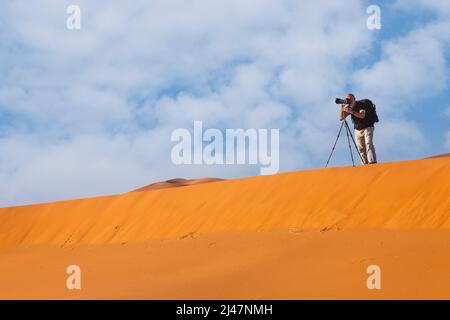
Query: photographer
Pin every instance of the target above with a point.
(364, 116)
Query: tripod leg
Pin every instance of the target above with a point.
(334, 146)
(349, 145)
(354, 142)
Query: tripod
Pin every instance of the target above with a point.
(349, 135)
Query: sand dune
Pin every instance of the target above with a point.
(175, 183)
(259, 265)
(304, 234)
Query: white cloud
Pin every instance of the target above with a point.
(441, 7)
(412, 67)
(447, 140)
(447, 112)
(93, 110)
(395, 137)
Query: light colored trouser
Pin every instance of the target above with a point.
(364, 141)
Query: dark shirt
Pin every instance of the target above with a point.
(359, 123)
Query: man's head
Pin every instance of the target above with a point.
(351, 98)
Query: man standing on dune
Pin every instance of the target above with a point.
(364, 116)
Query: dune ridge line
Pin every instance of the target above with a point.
(406, 195)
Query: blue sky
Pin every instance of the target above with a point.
(397, 23)
(427, 111)
(90, 112)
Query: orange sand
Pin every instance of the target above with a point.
(308, 234)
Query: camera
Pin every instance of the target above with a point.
(342, 101)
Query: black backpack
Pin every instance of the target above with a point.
(371, 111)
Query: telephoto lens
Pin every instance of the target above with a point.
(342, 101)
